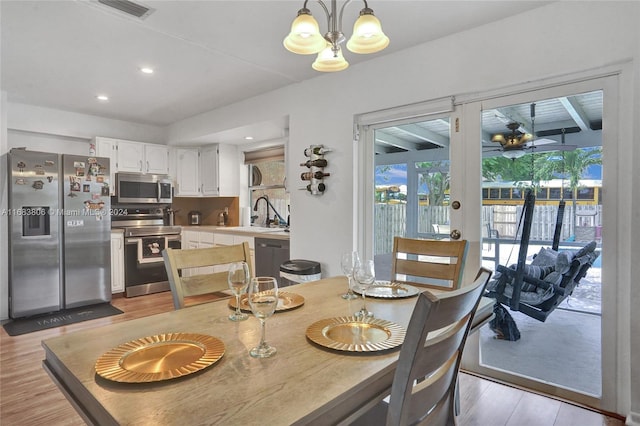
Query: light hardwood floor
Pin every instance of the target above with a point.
(29, 397)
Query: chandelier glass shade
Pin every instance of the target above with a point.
(305, 37)
(330, 61)
(367, 35)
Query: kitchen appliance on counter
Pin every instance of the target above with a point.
(195, 217)
(138, 188)
(60, 232)
(146, 235)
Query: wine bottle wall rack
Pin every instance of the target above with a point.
(315, 169)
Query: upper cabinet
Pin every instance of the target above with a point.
(209, 171)
(187, 172)
(143, 157)
(129, 156)
(107, 147)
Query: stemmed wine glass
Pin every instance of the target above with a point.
(238, 279)
(364, 276)
(349, 263)
(263, 299)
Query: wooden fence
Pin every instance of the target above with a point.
(390, 220)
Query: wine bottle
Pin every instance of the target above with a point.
(317, 150)
(313, 175)
(314, 189)
(320, 162)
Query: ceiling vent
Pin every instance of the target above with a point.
(128, 7)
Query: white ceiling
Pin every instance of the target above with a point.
(206, 54)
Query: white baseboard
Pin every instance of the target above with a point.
(633, 419)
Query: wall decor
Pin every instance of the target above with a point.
(315, 169)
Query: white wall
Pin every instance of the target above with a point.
(36, 119)
(562, 38)
(47, 143)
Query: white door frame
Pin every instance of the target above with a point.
(465, 146)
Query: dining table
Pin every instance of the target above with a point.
(303, 383)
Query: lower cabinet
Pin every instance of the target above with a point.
(231, 239)
(117, 262)
(197, 239)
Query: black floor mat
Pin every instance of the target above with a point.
(56, 319)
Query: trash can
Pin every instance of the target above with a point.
(296, 271)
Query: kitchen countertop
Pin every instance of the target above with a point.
(249, 231)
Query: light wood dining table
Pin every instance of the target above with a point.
(304, 383)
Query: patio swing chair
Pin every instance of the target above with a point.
(538, 288)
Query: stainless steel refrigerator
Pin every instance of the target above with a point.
(60, 232)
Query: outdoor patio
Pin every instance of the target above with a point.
(565, 350)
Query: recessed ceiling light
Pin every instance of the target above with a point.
(248, 138)
(103, 98)
(146, 70)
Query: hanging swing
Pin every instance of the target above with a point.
(536, 289)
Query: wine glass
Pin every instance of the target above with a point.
(263, 299)
(349, 262)
(238, 279)
(364, 276)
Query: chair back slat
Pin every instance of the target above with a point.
(191, 272)
(426, 373)
(428, 263)
(431, 391)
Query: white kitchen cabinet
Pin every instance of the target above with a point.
(192, 239)
(142, 157)
(156, 159)
(107, 147)
(187, 172)
(117, 262)
(130, 156)
(231, 239)
(208, 171)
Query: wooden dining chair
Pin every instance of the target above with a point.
(424, 389)
(434, 264)
(196, 272)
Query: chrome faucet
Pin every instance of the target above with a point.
(266, 199)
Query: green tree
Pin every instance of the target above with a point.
(496, 169)
(571, 167)
(437, 179)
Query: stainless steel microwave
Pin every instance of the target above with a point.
(143, 188)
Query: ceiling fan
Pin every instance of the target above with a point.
(514, 144)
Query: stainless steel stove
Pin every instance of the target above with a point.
(145, 236)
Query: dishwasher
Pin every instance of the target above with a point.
(270, 253)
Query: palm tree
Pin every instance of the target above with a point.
(572, 167)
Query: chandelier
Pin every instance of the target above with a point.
(305, 37)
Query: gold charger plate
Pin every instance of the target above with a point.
(389, 290)
(354, 335)
(160, 357)
(286, 301)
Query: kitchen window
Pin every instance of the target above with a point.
(267, 173)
